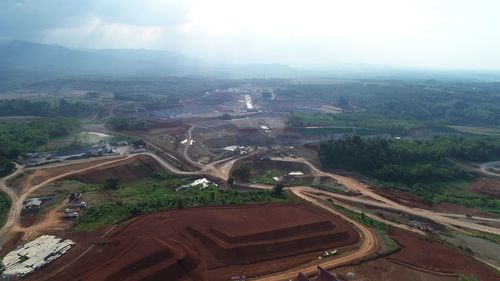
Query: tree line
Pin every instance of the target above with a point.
(436, 103)
(407, 161)
(22, 137)
(23, 107)
(127, 123)
(109, 213)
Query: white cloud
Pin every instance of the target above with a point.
(97, 33)
(445, 33)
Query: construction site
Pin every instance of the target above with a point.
(210, 243)
(326, 219)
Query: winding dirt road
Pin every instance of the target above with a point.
(185, 151)
(482, 168)
(11, 216)
(369, 245)
(382, 202)
(12, 223)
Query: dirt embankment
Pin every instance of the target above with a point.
(490, 187)
(127, 171)
(420, 259)
(208, 243)
(414, 201)
(434, 256)
(32, 178)
(404, 198)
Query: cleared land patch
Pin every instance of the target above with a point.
(212, 243)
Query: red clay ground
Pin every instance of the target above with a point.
(435, 256)
(405, 198)
(128, 171)
(420, 259)
(206, 243)
(41, 175)
(415, 201)
(489, 187)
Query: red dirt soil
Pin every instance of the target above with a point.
(44, 174)
(127, 171)
(489, 187)
(207, 243)
(420, 259)
(431, 255)
(412, 200)
(404, 198)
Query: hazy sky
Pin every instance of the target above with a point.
(461, 34)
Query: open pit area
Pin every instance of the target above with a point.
(206, 243)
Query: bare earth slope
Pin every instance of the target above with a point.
(210, 243)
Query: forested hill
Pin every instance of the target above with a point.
(423, 102)
(407, 161)
(21, 137)
(22, 107)
(49, 59)
(21, 55)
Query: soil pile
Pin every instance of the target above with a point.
(211, 243)
(127, 171)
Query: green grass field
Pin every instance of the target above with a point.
(366, 123)
(266, 177)
(154, 194)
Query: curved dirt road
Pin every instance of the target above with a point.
(11, 216)
(349, 183)
(485, 168)
(383, 202)
(369, 242)
(13, 220)
(369, 245)
(482, 169)
(185, 151)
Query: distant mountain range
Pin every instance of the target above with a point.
(22, 62)
(28, 56)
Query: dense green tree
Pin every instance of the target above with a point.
(111, 184)
(127, 123)
(18, 138)
(21, 107)
(241, 173)
(407, 161)
(295, 122)
(464, 277)
(278, 188)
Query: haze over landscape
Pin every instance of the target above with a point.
(256, 140)
(417, 34)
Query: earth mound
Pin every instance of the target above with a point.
(128, 170)
(212, 243)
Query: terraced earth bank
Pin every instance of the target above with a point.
(209, 243)
(129, 170)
